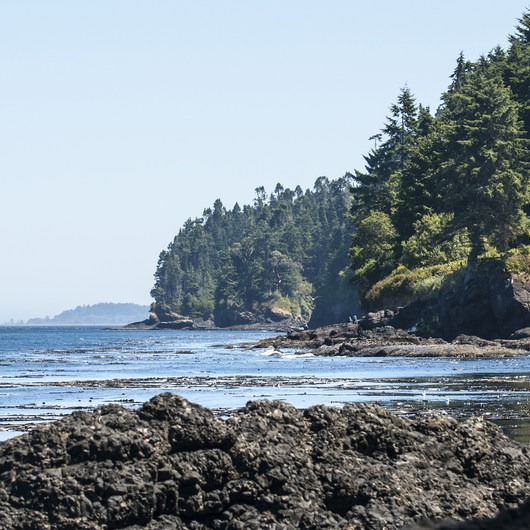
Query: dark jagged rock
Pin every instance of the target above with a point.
(162, 319)
(488, 303)
(354, 339)
(264, 318)
(173, 465)
(516, 519)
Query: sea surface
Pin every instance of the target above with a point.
(46, 372)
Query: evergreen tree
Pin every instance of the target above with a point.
(377, 193)
(435, 188)
(517, 69)
(377, 189)
(273, 253)
(484, 173)
(419, 193)
(373, 250)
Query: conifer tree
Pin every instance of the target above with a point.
(377, 193)
(277, 251)
(419, 194)
(485, 175)
(517, 68)
(377, 189)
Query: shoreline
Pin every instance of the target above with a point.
(173, 464)
(500, 398)
(386, 341)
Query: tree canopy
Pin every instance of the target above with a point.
(453, 185)
(287, 251)
(438, 189)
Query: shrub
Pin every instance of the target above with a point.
(404, 286)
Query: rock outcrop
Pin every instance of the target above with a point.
(369, 337)
(163, 319)
(173, 465)
(263, 318)
(488, 303)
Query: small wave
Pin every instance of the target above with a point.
(272, 353)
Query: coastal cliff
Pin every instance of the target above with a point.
(266, 318)
(490, 304)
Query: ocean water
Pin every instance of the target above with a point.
(46, 372)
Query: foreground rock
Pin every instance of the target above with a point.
(517, 519)
(173, 465)
(368, 339)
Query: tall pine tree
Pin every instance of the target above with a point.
(485, 176)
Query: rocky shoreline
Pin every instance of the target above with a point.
(173, 465)
(488, 302)
(264, 321)
(361, 339)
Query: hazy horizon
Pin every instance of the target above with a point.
(123, 119)
(66, 311)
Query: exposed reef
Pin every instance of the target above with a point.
(173, 465)
(371, 338)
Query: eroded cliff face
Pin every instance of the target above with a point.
(173, 465)
(489, 304)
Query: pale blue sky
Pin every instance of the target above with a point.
(120, 119)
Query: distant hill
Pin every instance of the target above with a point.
(104, 314)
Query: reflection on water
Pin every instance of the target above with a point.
(517, 429)
(49, 372)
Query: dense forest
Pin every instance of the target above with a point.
(285, 256)
(439, 192)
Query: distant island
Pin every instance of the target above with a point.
(103, 314)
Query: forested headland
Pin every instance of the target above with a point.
(284, 257)
(443, 193)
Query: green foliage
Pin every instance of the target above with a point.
(373, 250)
(378, 188)
(449, 187)
(429, 245)
(485, 170)
(516, 68)
(437, 190)
(404, 286)
(517, 260)
(276, 253)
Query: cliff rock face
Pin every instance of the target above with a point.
(163, 320)
(338, 311)
(261, 315)
(173, 465)
(489, 304)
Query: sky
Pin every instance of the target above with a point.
(121, 119)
